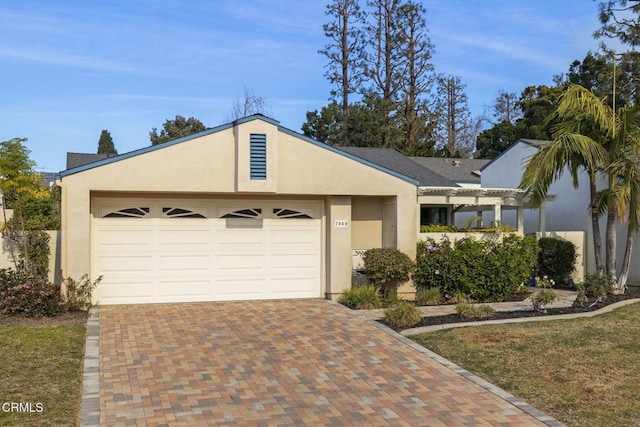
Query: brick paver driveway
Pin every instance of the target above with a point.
(304, 362)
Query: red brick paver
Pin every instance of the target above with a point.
(303, 362)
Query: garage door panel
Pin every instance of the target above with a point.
(157, 258)
(297, 261)
(123, 288)
(124, 238)
(195, 263)
(187, 287)
(240, 288)
(119, 264)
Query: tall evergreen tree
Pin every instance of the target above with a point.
(105, 144)
(344, 52)
(455, 131)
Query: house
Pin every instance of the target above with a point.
(246, 210)
(564, 214)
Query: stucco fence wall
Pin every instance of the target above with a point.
(54, 255)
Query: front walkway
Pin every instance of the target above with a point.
(302, 362)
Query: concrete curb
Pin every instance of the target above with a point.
(607, 309)
(90, 404)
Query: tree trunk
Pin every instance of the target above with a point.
(595, 224)
(610, 248)
(621, 285)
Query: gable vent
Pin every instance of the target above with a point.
(258, 156)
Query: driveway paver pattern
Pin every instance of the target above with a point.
(264, 363)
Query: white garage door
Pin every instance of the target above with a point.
(178, 251)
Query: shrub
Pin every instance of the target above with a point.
(10, 278)
(32, 299)
(545, 295)
(467, 310)
(429, 296)
(361, 298)
(598, 286)
(385, 267)
(78, 293)
(402, 315)
(483, 270)
(556, 259)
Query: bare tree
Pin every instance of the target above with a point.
(344, 52)
(250, 104)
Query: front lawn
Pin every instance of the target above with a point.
(584, 372)
(41, 368)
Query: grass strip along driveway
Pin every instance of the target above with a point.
(40, 375)
(584, 372)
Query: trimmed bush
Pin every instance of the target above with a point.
(429, 296)
(402, 315)
(556, 259)
(466, 310)
(361, 298)
(32, 299)
(10, 278)
(386, 267)
(484, 270)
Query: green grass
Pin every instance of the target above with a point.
(41, 364)
(584, 372)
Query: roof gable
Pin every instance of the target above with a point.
(536, 143)
(86, 161)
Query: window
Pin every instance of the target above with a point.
(430, 215)
(180, 213)
(258, 156)
(288, 213)
(128, 213)
(253, 213)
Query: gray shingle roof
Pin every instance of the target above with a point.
(456, 170)
(79, 159)
(391, 159)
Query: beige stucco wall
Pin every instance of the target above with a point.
(216, 164)
(6, 261)
(366, 218)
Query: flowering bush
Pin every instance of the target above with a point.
(32, 299)
(483, 270)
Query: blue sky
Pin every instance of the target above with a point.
(70, 68)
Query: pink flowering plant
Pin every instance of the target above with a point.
(33, 298)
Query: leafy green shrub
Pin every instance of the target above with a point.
(385, 267)
(78, 293)
(438, 228)
(402, 315)
(483, 270)
(361, 298)
(32, 299)
(545, 295)
(556, 259)
(598, 286)
(429, 296)
(467, 310)
(10, 278)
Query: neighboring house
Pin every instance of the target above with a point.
(566, 207)
(246, 210)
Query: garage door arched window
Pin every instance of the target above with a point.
(180, 213)
(251, 213)
(135, 212)
(289, 213)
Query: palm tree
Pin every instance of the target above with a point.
(585, 119)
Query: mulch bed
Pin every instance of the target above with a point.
(72, 318)
(576, 308)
